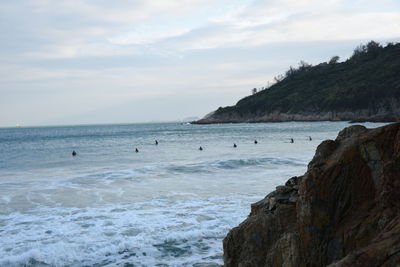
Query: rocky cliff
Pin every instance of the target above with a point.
(344, 211)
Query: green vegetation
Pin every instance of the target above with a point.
(369, 79)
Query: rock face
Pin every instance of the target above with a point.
(344, 211)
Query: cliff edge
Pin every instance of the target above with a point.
(344, 211)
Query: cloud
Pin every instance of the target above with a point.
(98, 54)
(80, 28)
(291, 21)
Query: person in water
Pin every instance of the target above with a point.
(200, 148)
(291, 140)
(136, 150)
(234, 145)
(309, 138)
(255, 142)
(156, 143)
(74, 153)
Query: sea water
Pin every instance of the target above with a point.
(167, 205)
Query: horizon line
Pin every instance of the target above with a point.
(89, 124)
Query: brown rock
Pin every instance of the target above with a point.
(345, 210)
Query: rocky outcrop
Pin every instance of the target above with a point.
(344, 211)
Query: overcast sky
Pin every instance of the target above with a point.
(102, 61)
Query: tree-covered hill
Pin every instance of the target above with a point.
(366, 87)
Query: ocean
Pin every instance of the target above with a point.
(167, 205)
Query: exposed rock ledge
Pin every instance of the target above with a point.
(344, 211)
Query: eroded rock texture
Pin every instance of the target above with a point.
(344, 211)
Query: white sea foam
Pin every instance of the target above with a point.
(169, 205)
(176, 231)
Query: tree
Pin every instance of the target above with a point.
(254, 91)
(334, 60)
(359, 51)
(279, 78)
(373, 48)
(290, 72)
(304, 65)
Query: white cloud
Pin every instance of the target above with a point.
(79, 28)
(101, 53)
(292, 21)
(147, 35)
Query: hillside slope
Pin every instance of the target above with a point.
(366, 87)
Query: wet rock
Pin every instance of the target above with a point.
(344, 211)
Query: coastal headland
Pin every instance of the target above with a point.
(344, 211)
(365, 87)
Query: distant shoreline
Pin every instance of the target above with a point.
(205, 121)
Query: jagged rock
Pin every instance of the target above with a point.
(284, 194)
(350, 131)
(283, 189)
(293, 182)
(345, 210)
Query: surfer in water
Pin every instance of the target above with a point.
(234, 145)
(74, 153)
(291, 140)
(200, 148)
(309, 138)
(255, 142)
(156, 143)
(136, 150)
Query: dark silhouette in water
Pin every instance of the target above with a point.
(291, 140)
(74, 153)
(234, 145)
(255, 142)
(136, 150)
(156, 143)
(200, 148)
(309, 138)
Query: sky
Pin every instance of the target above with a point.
(66, 62)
